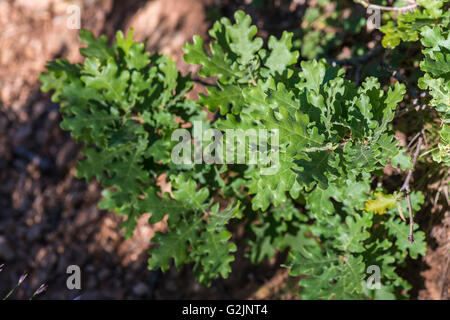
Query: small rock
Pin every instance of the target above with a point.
(91, 282)
(34, 233)
(6, 252)
(46, 258)
(141, 289)
(103, 274)
(171, 286)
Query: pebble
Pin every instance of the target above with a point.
(6, 252)
(140, 289)
(34, 233)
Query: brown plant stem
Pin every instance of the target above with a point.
(406, 188)
(408, 7)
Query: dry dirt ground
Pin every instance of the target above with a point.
(49, 219)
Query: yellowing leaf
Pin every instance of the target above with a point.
(381, 203)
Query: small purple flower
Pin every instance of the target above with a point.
(22, 278)
(41, 289)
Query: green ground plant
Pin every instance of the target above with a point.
(335, 138)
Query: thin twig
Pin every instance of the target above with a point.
(397, 75)
(416, 107)
(446, 193)
(358, 60)
(357, 73)
(416, 154)
(400, 210)
(405, 187)
(408, 7)
(203, 82)
(412, 140)
(411, 219)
